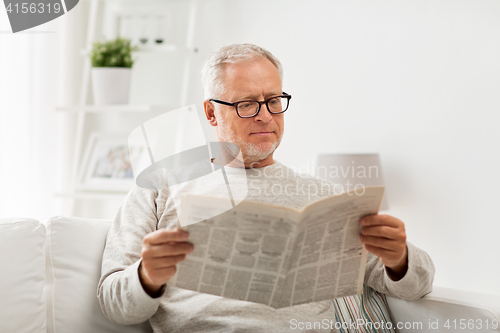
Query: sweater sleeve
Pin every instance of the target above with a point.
(121, 295)
(416, 283)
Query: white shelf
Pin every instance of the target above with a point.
(165, 48)
(116, 108)
(89, 116)
(91, 195)
(159, 48)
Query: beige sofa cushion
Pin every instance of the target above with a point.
(75, 247)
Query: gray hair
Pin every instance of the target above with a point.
(211, 74)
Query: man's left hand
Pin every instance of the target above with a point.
(385, 237)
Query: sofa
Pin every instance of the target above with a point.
(50, 271)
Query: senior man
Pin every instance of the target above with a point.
(245, 102)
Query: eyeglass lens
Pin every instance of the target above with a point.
(276, 105)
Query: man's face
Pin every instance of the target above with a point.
(258, 137)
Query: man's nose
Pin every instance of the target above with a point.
(264, 114)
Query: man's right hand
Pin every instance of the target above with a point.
(161, 251)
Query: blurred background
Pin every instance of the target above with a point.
(415, 81)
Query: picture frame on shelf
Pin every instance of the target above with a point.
(107, 163)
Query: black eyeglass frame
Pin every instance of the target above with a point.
(235, 104)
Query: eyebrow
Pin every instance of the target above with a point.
(254, 98)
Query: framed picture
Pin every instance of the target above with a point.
(107, 163)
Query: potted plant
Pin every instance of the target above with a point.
(112, 67)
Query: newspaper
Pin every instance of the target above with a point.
(277, 256)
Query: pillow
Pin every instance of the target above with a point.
(74, 251)
(22, 277)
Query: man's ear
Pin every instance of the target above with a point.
(210, 112)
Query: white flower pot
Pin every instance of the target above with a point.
(111, 85)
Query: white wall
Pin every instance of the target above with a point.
(29, 141)
(416, 81)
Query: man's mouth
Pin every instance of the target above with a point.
(261, 133)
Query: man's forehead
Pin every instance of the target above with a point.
(251, 65)
(253, 91)
(252, 78)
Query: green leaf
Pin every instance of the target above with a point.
(112, 53)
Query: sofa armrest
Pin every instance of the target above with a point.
(447, 310)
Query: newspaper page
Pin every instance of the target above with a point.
(328, 259)
(239, 254)
(276, 256)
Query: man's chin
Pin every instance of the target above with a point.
(266, 146)
(259, 152)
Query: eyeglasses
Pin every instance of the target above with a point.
(249, 109)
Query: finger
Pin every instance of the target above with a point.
(388, 258)
(380, 219)
(168, 249)
(384, 231)
(163, 262)
(163, 236)
(383, 243)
